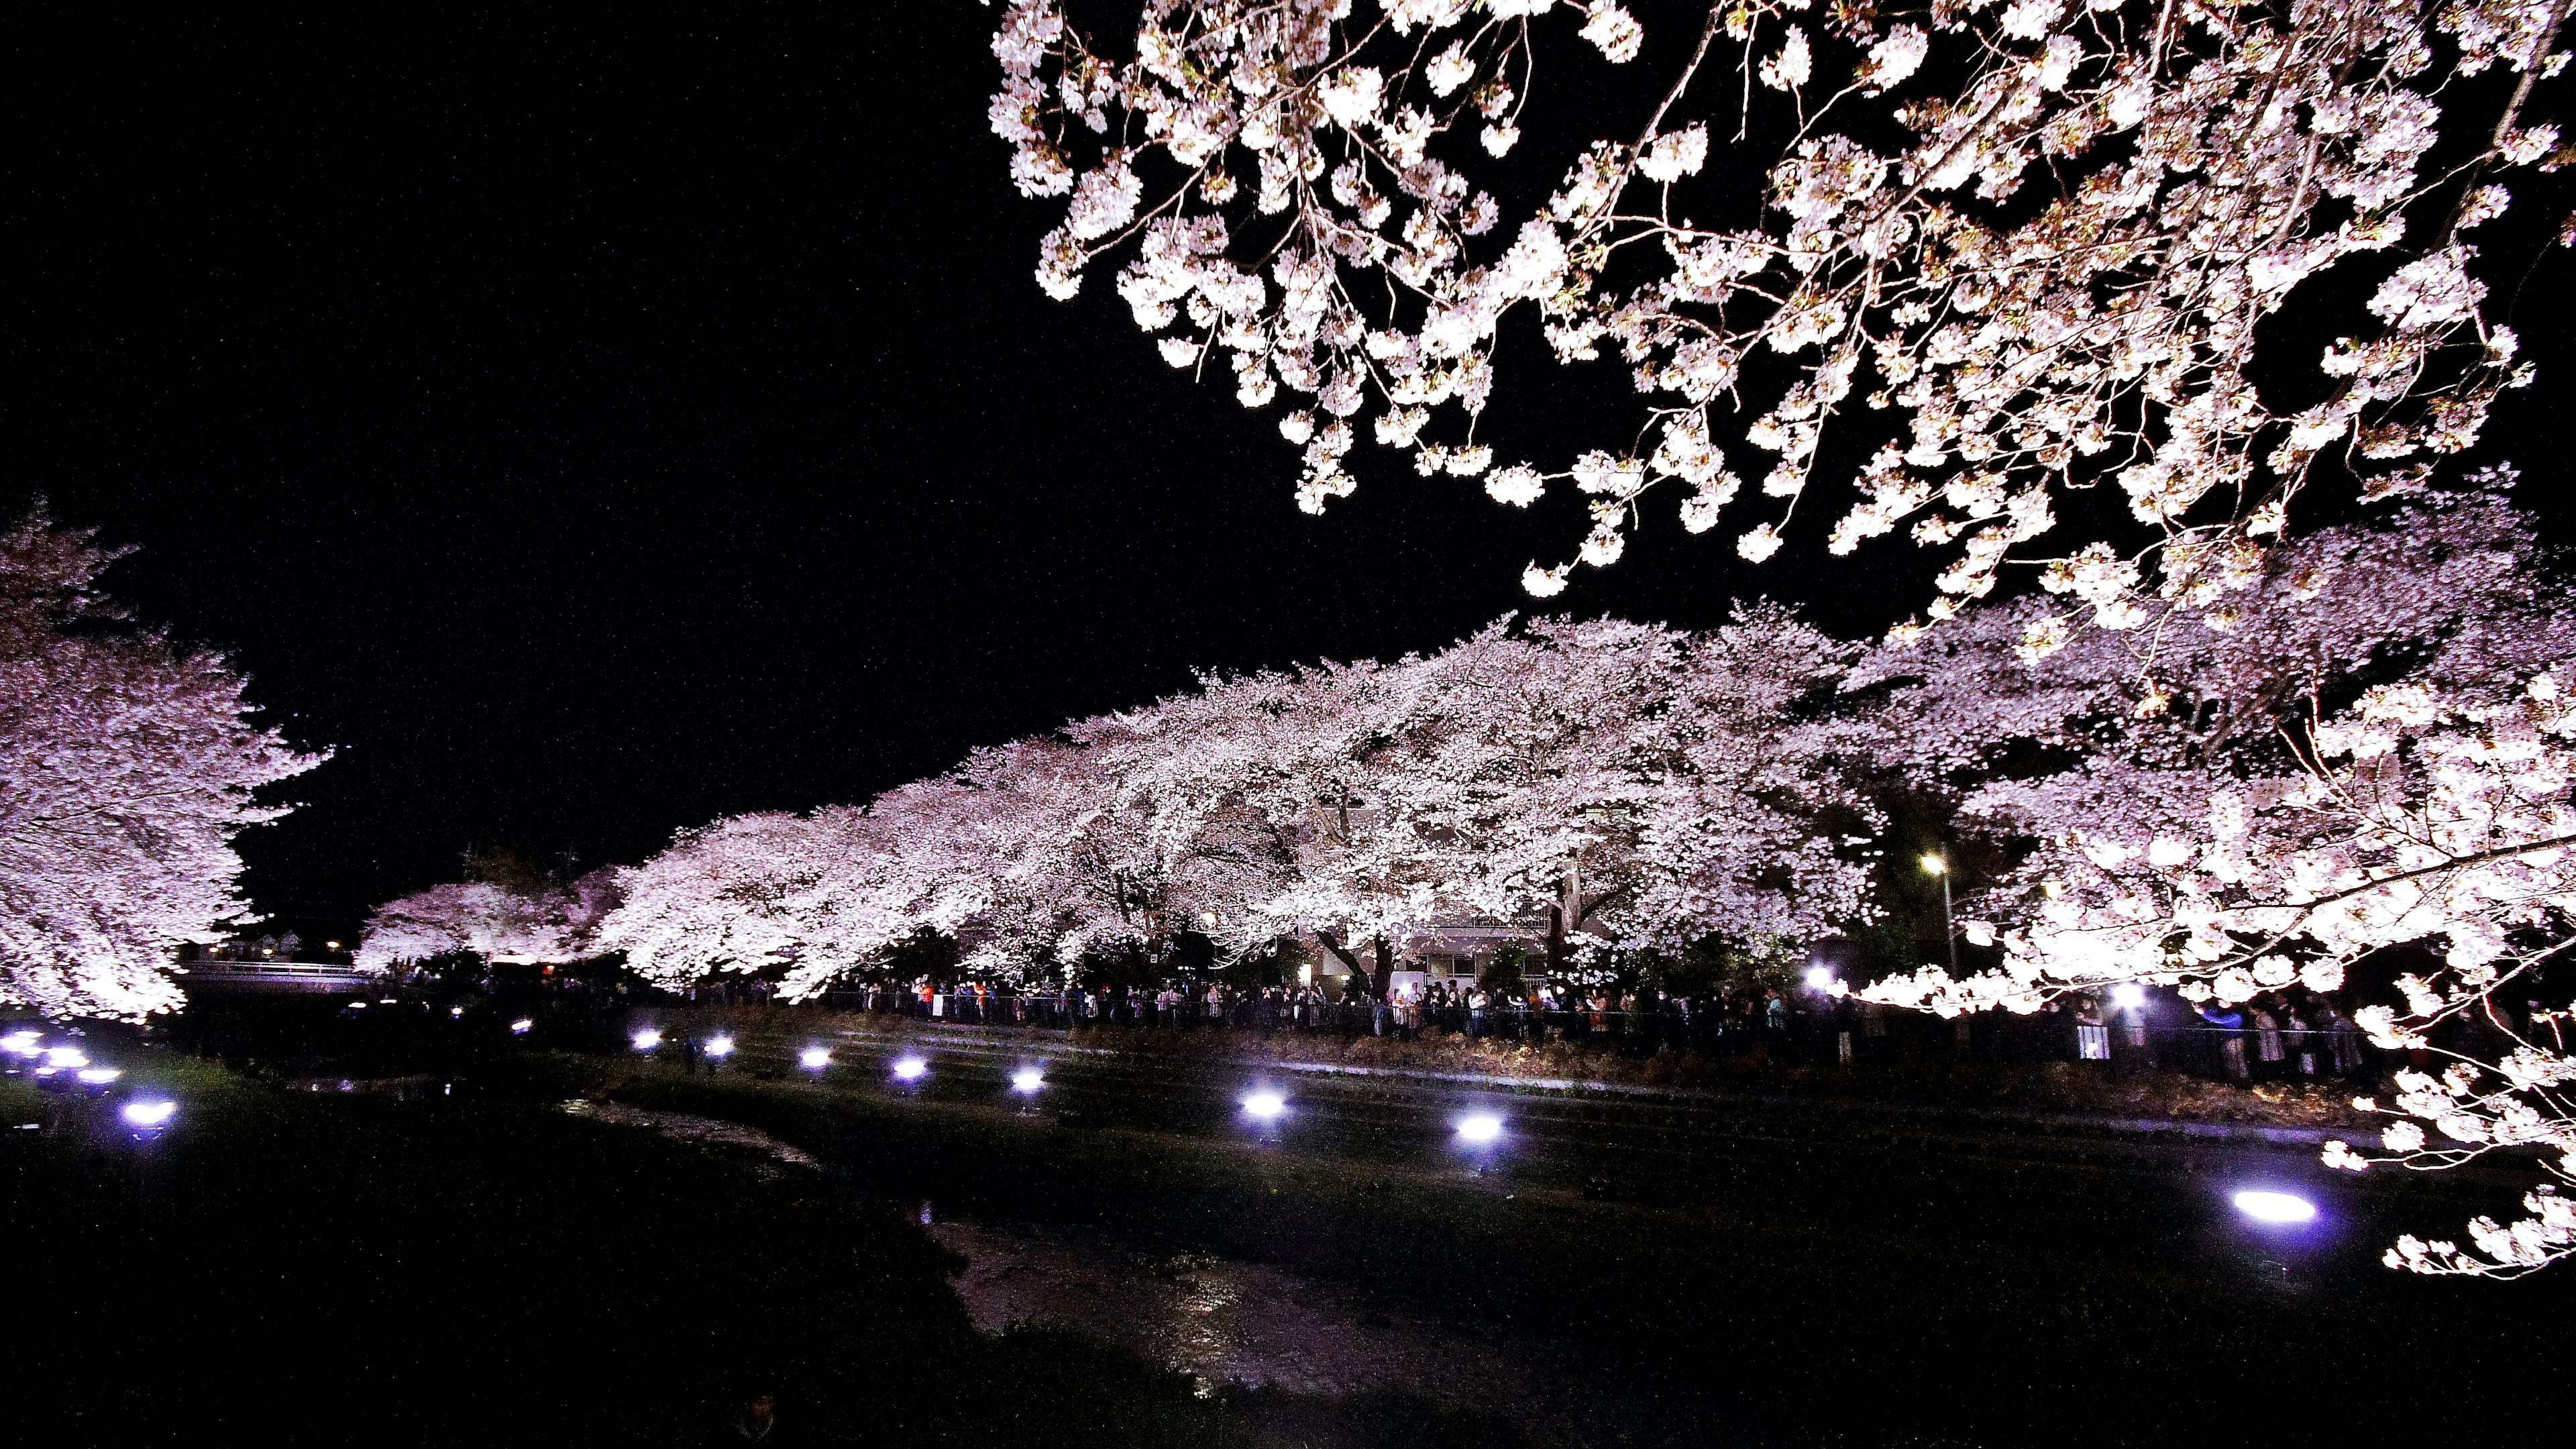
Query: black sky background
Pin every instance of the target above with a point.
(592, 425)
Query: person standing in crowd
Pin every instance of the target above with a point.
(2302, 1042)
(2231, 1039)
(2267, 1039)
(2092, 1034)
(2343, 1040)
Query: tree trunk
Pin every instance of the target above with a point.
(1342, 954)
(1385, 980)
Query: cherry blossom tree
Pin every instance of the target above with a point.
(519, 923)
(1596, 784)
(2369, 756)
(127, 766)
(2011, 248)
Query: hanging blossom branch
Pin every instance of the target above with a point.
(1311, 224)
(2420, 815)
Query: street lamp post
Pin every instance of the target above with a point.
(1933, 864)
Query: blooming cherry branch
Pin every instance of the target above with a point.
(1293, 190)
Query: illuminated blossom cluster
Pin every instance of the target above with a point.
(540, 925)
(1293, 187)
(126, 768)
(1591, 784)
(2373, 758)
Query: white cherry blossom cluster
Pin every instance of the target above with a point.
(126, 769)
(2376, 756)
(1292, 182)
(490, 920)
(1589, 785)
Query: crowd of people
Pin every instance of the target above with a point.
(2282, 1036)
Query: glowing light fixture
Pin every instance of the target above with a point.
(2275, 1207)
(1264, 1106)
(2128, 996)
(21, 1043)
(1027, 1079)
(1819, 977)
(646, 1040)
(66, 1057)
(910, 1069)
(456, 1011)
(1480, 1128)
(815, 1057)
(521, 1027)
(150, 1114)
(719, 1046)
(97, 1076)
(1935, 865)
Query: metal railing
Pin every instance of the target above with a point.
(1842, 1034)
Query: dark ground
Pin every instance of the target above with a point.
(485, 1269)
(284, 1268)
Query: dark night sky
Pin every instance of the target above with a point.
(591, 428)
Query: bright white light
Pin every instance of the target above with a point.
(96, 1075)
(2128, 996)
(357, 1006)
(456, 1011)
(517, 1028)
(910, 1069)
(1027, 1079)
(1819, 977)
(719, 1046)
(21, 1043)
(2275, 1207)
(150, 1114)
(1264, 1106)
(815, 1057)
(647, 1039)
(66, 1057)
(1480, 1128)
(1934, 865)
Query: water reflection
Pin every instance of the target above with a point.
(1215, 1319)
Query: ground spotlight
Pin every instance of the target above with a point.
(99, 1076)
(151, 1116)
(910, 1069)
(1027, 1080)
(719, 1046)
(815, 1057)
(646, 1040)
(1264, 1105)
(1480, 1129)
(61, 1057)
(22, 1043)
(2275, 1207)
(456, 1011)
(2128, 996)
(521, 1027)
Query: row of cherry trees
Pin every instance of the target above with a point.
(1600, 784)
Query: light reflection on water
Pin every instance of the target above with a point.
(1216, 1319)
